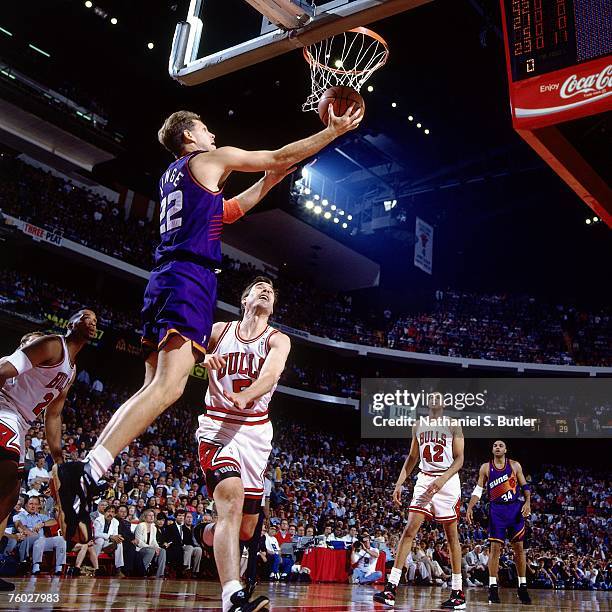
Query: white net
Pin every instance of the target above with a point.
(348, 59)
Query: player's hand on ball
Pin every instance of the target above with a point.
(345, 123)
(214, 362)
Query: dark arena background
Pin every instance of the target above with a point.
(462, 231)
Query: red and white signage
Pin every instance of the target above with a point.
(578, 91)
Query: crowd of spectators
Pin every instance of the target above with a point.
(321, 483)
(457, 324)
(76, 213)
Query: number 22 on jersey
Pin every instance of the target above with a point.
(170, 207)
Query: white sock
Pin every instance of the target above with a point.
(229, 588)
(58, 568)
(35, 567)
(395, 576)
(522, 580)
(492, 580)
(208, 536)
(456, 582)
(100, 461)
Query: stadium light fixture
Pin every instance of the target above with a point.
(394, 104)
(341, 212)
(344, 225)
(410, 118)
(427, 131)
(595, 219)
(6, 32)
(338, 63)
(305, 172)
(370, 88)
(150, 45)
(309, 204)
(324, 202)
(317, 210)
(38, 50)
(333, 207)
(327, 215)
(317, 196)
(350, 217)
(389, 204)
(418, 125)
(588, 222)
(114, 20)
(336, 220)
(88, 3)
(307, 190)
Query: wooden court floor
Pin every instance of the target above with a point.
(180, 595)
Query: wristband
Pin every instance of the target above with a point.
(232, 211)
(477, 492)
(19, 360)
(526, 487)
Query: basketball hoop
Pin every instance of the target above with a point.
(347, 59)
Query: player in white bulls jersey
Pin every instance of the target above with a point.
(436, 496)
(245, 360)
(33, 380)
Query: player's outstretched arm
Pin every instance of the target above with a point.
(273, 367)
(239, 205)
(483, 475)
(215, 166)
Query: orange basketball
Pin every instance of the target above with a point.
(341, 97)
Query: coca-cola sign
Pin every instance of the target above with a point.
(574, 86)
(573, 92)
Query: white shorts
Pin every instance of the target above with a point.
(444, 506)
(242, 451)
(13, 430)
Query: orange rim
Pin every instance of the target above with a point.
(360, 30)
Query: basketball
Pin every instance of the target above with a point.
(341, 97)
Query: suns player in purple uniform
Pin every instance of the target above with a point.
(181, 293)
(504, 478)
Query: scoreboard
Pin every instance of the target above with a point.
(559, 59)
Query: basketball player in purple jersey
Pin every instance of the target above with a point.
(507, 515)
(181, 293)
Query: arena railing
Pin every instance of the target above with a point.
(57, 240)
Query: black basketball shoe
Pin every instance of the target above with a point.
(456, 601)
(74, 488)
(494, 594)
(6, 586)
(523, 594)
(240, 602)
(387, 595)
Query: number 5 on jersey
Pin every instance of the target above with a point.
(169, 210)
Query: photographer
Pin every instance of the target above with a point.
(363, 561)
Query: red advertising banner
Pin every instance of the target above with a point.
(570, 93)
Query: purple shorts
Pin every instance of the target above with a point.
(506, 521)
(179, 299)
